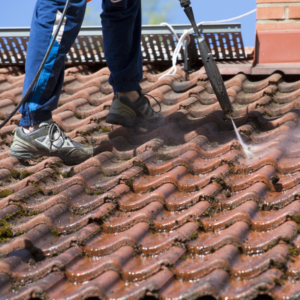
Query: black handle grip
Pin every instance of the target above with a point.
(209, 63)
(214, 77)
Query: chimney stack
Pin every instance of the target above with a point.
(277, 32)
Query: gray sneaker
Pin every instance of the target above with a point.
(48, 140)
(130, 114)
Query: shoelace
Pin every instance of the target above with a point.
(155, 101)
(52, 129)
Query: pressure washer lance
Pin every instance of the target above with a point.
(37, 75)
(209, 63)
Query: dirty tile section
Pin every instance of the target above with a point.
(176, 212)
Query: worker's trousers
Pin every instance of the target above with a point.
(121, 24)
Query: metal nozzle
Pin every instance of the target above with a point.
(185, 3)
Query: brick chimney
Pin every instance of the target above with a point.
(277, 32)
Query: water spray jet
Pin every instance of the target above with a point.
(213, 72)
(247, 152)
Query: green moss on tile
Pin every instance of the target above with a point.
(14, 214)
(200, 224)
(5, 193)
(15, 174)
(65, 174)
(115, 173)
(20, 233)
(221, 182)
(209, 212)
(53, 167)
(247, 132)
(296, 218)
(105, 129)
(278, 281)
(89, 192)
(92, 193)
(295, 233)
(292, 250)
(163, 156)
(150, 190)
(31, 262)
(25, 174)
(193, 236)
(284, 277)
(214, 145)
(129, 182)
(228, 194)
(59, 164)
(156, 147)
(22, 212)
(39, 189)
(183, 256)
(267, 114)
(95, 233)
(5, 230)
(99, 192)
(232, 171)
(89, 132)
(279, 264)
(55, 232)
(270, 246)
(142, 165)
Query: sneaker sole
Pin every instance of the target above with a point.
(24, 154)
(120, 120)
(130, 122)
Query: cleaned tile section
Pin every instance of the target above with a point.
(176, 212)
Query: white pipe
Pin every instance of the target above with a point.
(186, 34)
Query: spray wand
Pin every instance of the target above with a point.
(209, 63)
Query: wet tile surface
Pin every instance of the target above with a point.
(177, 212)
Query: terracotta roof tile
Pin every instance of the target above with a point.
(175, 212)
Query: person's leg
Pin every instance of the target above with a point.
(121, 23)
(44, 97)
(38, 134)
(122, 26)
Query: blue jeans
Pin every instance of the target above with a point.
(121, 24)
